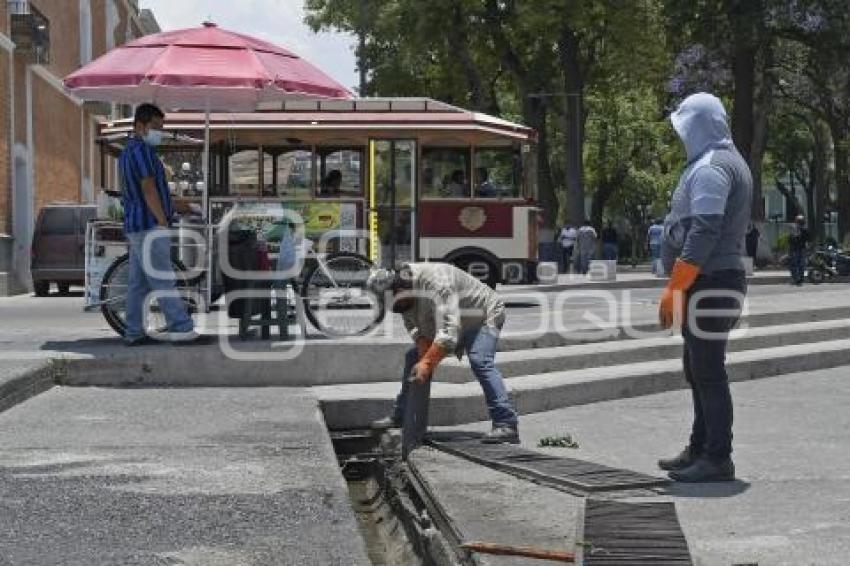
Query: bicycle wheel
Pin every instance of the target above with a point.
(113, 295)
(335, 297)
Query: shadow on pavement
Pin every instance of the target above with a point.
(453, 435)
(702, 490)
(86, 345)
(521, 304)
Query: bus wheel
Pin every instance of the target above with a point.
(478, 267)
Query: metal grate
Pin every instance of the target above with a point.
(615, 533)
(574, 474)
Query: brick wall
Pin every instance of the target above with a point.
(56, 145)
(98, 27)
(64, 17)
(5, 138)
(61, 130)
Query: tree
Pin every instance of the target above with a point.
(534, 60)
(632, 151)
(738, 33)
(524, 51)
(403, 49)
(814, 74)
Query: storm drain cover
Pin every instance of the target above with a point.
(617, 533)
(415, 422)
(568, 472)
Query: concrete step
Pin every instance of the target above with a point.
(585, 333)
(22, 379)
(353, 406)
(615, 352)
(628, 279)
(364, 360)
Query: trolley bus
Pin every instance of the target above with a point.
(395, 179)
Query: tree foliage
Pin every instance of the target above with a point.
(597, 79)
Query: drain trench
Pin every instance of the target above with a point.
(399, 517)
(404, 522)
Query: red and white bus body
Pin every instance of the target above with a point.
(420, 180)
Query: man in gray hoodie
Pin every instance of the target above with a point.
(702, 249)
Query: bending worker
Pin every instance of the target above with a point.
(447, 311)
(702, 249)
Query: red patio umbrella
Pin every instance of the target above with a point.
(204, 68)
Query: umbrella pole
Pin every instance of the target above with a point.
(205, 159)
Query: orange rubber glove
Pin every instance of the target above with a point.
(422, 345)
(671, 308)
(423, 370)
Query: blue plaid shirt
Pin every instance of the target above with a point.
(139, 161)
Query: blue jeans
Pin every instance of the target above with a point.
(654, 254)
(583, 261)
(610, 251)
(140, 284)
(480, 345)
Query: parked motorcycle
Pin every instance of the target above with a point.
(827, 264)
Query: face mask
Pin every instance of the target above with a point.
(153, 137)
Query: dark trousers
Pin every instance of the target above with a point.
(566, 258)
(797, 263)
(704, 360)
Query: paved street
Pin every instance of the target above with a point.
(100, 477)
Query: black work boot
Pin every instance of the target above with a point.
(685, 458)
(386, 422)
(502, 434)
(705, 470)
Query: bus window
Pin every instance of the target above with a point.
(498, 173)
(340, 172)
(287, 172)
(245, 173)
(399, 153)
(445, 172)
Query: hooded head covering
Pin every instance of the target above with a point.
(701, 123)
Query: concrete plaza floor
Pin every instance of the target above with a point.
(791, 505)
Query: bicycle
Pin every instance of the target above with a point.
(332, 291)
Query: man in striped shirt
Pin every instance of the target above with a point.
(147, 218)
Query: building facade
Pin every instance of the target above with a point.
(48, 153)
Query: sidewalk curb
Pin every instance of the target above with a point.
(647, 283)
(30, 380)
(324, 363)
(463, 404)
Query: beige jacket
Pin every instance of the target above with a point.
(448, 302)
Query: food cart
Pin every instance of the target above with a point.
(273, 137)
